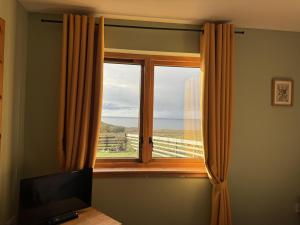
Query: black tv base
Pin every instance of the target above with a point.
(62, 218)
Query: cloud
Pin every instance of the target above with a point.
(121, 91)
(174, 87)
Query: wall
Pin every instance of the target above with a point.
(264, 182)
(11, 151)
(42, 87)
(142, 39)
(265, 164)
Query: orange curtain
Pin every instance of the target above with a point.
(80, 100)
(217, 49)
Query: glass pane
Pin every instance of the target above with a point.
(176, 117)
(120, 113)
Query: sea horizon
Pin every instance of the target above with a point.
(158, 123)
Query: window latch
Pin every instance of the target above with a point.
(141, 140)
(150, 141)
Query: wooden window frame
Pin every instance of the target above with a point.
(145, 165)
(2, 35)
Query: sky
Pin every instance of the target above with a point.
(176, 91)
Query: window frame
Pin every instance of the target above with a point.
(145, 164)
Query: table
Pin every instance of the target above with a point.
(91, 216)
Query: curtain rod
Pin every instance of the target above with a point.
(141, 27)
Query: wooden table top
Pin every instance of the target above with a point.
(91, 216)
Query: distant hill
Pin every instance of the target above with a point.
(109, 128)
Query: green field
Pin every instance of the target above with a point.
(114, 144)
(123, 154)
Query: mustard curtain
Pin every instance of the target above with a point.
(80, 99)
(217, 45)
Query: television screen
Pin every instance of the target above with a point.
(42, 198)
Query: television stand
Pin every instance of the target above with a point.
(62, 218)
(90, 216)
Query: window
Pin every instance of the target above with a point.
(151, 118)
(176, 117)
(120, 111)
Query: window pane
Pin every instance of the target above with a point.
(176, 118)
(120, 114)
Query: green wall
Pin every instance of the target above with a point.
(264, 180)
(265, 165)
(142, 39)
(11, 151)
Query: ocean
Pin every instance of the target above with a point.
(159, 123)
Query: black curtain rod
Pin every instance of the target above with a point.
(141, 27)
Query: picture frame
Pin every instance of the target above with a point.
(282, 92)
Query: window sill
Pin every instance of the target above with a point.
(150, 172)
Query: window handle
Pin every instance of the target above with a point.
(150, 141)
(141, 140)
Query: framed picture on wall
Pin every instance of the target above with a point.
(282, 92)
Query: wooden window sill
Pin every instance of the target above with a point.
(156, 168)
(150, 172)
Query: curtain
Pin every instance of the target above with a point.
(80, 101)
(217, 49)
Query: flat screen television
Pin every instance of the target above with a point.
(46, 197)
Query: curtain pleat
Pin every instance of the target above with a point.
(80, 99)
(98, 91)
(217, 45)
(62, 100)
(80, 89)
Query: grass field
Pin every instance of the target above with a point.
(114, 143)
(123, 154)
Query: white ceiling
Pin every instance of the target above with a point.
(263, 14)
